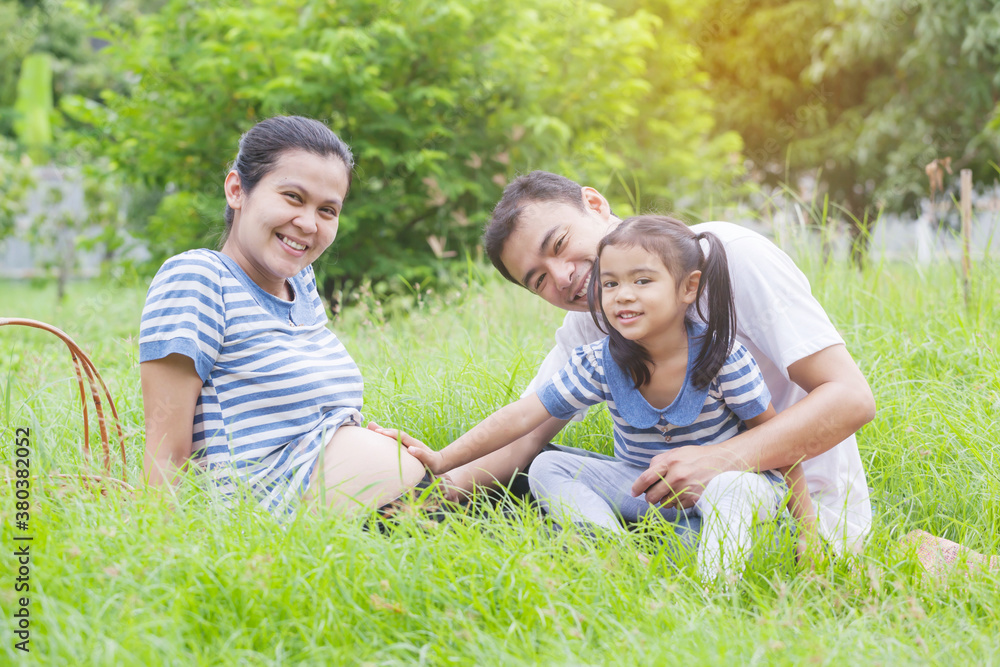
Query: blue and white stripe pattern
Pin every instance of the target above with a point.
(697, 416)
(277, 382)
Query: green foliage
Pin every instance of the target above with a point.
(932, 92)
(48, 52)
(21, 26)
(442, 103)
(758, 56)
(860, 94)
(673, 157)
(755, 53)
(62, 29)
(15, 181)
(34, 105)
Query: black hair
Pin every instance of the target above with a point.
(535, 188)
(264, 144)
(680, 250)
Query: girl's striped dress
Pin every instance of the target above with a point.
(698, 415)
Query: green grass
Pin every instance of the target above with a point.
(138, 580)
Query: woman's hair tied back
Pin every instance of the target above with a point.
(263, 145)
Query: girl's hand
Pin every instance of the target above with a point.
(431, 459)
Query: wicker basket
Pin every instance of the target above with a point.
(97, 387)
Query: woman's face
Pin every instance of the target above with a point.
(289, 218)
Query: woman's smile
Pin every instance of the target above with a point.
(291, 243)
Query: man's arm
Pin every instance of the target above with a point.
(839, 402)
(501, 465)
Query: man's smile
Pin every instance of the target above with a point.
(581, 288)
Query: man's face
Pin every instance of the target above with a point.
(552, 250)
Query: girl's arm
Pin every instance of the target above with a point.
(800, 505)
(170, 388)
(499, 429)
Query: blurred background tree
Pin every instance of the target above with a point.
(932, 91)
(51, 54)
(676, 110)
(442, 102)
(665, 105)
(65, 32)
(859, 95)
(15, 181)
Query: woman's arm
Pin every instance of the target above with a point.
(501, 428)
(170, 388)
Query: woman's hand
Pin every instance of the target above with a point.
(431, 459)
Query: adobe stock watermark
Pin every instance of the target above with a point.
(21, 617)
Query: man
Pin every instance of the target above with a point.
(543, 236)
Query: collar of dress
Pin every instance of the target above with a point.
(633, 406)
(297, 312)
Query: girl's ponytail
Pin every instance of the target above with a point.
(720, 317)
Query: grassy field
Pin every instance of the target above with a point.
(123, 579)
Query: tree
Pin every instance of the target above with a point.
(20, 28)
(861, 94)
(62, 30)
(48, 61)
(441, 101)
(672, 154)
(758, 55)
(15, 182)
(934, 95)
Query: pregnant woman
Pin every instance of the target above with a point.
(240, 374)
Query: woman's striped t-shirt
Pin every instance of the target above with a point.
(697, 416)
(277, 382)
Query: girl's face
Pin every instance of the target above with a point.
(289, 218)
(640, 298)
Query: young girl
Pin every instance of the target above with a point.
(669, 381)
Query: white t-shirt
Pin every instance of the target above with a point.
(780, 322)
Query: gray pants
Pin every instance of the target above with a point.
(599, 492)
